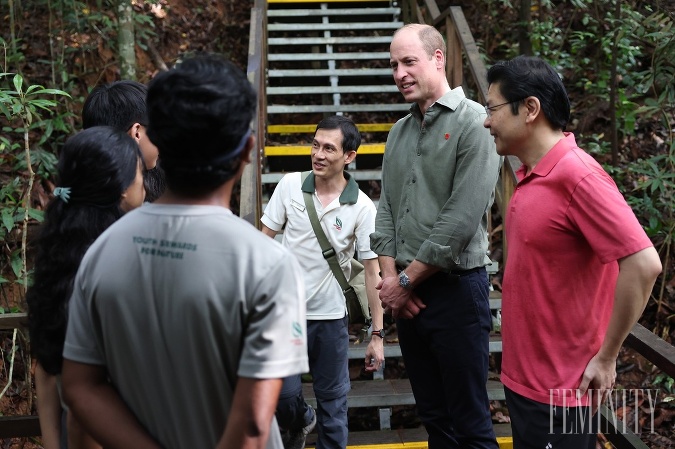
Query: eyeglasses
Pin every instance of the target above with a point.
(489, 109)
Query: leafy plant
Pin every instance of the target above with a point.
(24, 103)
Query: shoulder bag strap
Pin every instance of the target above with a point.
(326, 249)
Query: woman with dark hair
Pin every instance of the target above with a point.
(100, 177)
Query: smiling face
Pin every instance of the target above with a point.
(328, 157)
(507, 129)
(420, 77)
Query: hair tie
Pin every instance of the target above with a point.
(63, 193)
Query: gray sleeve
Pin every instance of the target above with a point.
(80, 345)
(275, 335)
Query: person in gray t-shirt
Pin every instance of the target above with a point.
(184, 318)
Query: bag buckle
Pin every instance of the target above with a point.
(330, 252)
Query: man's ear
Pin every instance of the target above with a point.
(349, 157)
(246, 154)
(135, 131)
(533, 108)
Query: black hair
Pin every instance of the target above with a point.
(119, 104)
(97, 165)
(199, 118)
(351, 137)
(526, 76)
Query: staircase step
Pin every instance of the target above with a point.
(353, 12)
(357, 351)
(389, 392)
(305, 150)
(272, 41)
(334, 109)
(276, 73)
(350, 56)
(359, 26)
(309, 128)
(415, 438)
(359, 175)
(312, 90)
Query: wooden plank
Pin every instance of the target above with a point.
(453, 66)
(357, 351)
(19, 426)
(471, 50)
(617, 433)
(250, 205)
(388, 392)
(432, 7)
(658, 351)
(13, 320)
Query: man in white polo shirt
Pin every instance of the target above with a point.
(347, 217)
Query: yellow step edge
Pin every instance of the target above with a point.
(305, 150)
(323, 1)
(297, 129)
(504, 443)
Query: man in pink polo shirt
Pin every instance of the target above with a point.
(580, 267)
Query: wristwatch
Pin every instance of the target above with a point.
(404, 281)
(380, 333)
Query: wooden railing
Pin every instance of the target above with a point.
(460, 42)
(250, 204)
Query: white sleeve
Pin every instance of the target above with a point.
(365, 225)
(274, 216)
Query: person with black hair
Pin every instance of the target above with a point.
(99, 179)
(347, 216)
(580, 268)
(121, 104)
(185, 318)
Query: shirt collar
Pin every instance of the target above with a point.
(348, 196)
(552, 157)
(450, 100)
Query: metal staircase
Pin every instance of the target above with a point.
(332, 57)
(328, 57)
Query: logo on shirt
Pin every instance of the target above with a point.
(297, 329)
(338, 224)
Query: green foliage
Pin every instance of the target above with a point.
(22, 104)
(665, 382)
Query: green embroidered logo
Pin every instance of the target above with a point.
(338, 224)
(297, 329)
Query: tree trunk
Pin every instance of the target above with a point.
(524, 17)
(125, 39)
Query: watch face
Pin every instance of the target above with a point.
(403, 280)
